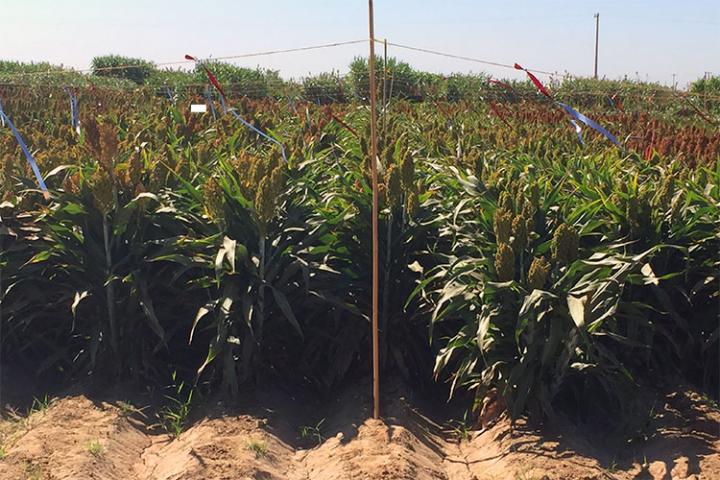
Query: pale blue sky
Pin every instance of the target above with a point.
(655, 38)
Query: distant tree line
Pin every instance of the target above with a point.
(395, 80)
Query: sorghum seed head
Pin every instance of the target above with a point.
(71, 184)
(413, 203)
(92, 135)
(393, 183)
(277, 181)
(528, 213)
(505, 262)
(502, 225)
(109, 144)
(565, 244)
(213, 200)
(265, 201)
(520, 234)
(535, 196)
(675, 207)
(408, 172)
(102, 191)
(665, 194)
(505, 202)
(538, 273)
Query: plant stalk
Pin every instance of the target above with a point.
(109, 289)
(261, 292)
(386, 290)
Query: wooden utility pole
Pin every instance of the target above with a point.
(597, 36)
(373, 171)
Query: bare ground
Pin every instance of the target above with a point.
(77, 437)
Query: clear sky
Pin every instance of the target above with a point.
(654, 38)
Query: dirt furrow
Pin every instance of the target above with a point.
(75, 438)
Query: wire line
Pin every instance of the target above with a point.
(462, 57)
(181, 62)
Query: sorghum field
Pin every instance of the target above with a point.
(530, 285)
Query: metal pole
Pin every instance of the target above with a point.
(373, 164)
(597, 35)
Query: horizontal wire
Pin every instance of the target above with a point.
(180, 62)
(399, 80)
(335, 44)
(335, 93)
(248, 89)
(333, 96)
(462, 57)
(289, 50)
(505, 65)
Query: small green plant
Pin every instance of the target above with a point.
(307, 432)
(709, 401)
(40, 404)
(461, 429)
(3, 453)
(173, 417)
(95, 448)
(258, 447)
(127, 409)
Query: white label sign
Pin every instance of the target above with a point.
(198, 108)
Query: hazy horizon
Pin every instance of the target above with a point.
(643, 40)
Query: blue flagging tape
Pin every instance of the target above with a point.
(578, 131)
(74, 115)
(25, 150)
(208, 96)
(262, 134)
(209, 101)
(590, 123)
(169, 94)
(222, 102)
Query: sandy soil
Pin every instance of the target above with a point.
(78, 438)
